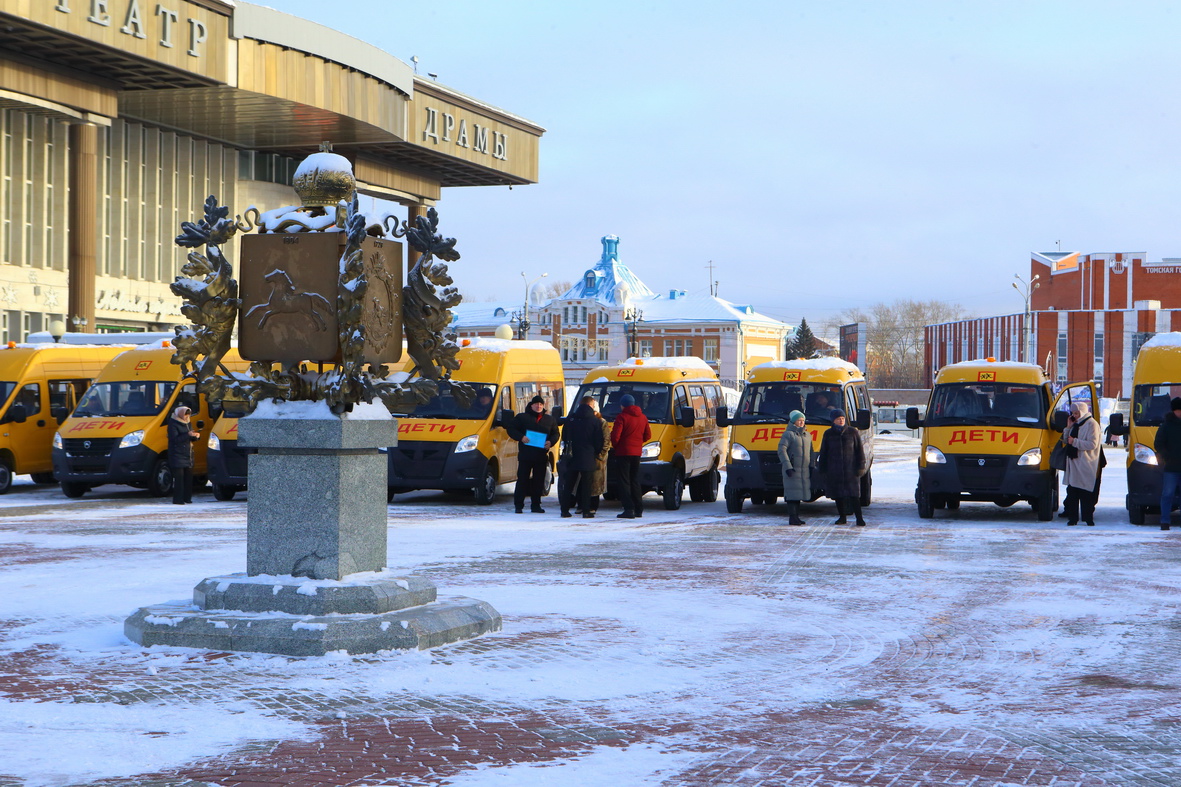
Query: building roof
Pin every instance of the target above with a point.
(473, 313)
(677, 306)
(610, 282)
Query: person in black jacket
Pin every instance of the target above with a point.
(180, 454)
(1168, 453)
(840, 464)
(532, 458)
(583, 436)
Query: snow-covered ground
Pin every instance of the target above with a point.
(686, 647)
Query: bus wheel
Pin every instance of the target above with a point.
(733, 500)
(74, 489)
(1135, 514)
(5, 476)
(953, 503)
(223, 492)
(675, 490)
(926, 506)
(711, 486)
(44, 478)
(160, 484)
(867, 488)
(486, 491)
(1047, 505)
(548, 483)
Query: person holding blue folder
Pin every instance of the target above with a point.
(536, 430)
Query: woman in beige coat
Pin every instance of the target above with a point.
(599, 479)
(1083, 446)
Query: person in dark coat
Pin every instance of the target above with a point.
(181, 437)
(583, 435)
(628, 436)
(532, 459)
(841, 460)
(1168, 454)
(795, 457)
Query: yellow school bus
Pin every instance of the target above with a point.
(773, 390)
(680, 395)
(987, 435)
(118, 434)
(40, 384)
(445, 445)
(1156, 380)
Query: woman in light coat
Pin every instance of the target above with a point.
(795, 457)
(1083, 440)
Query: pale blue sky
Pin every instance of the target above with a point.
(824, 155)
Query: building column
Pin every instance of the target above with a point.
(83, 212)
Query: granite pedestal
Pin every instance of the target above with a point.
(315, 580)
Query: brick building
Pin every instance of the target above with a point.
(1089, 315)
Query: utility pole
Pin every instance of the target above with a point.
(1026, 291)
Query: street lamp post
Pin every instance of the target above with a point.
(633, 319)
(1026, 291)
(524, 323)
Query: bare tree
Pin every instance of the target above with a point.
(894, 339)
(549, 290)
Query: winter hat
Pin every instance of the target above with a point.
(537, 400)
(836, 413)
(627, 400)
(794, 416)
(1175, 404)
(484, 392)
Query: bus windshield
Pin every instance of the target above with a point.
(139, 397)
(444, 405)
(773, 402)
(653, 398)
(1150, 403)
(1000, 404)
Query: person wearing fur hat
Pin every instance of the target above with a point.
(795, 457)
(841, 464)
(1083, 446)
(532, 459)
(1168, 454)
(181, 437)
(628, 436)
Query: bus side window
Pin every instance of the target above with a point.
(506, 398)
(697, 397)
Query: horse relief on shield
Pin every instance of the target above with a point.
(286, 299)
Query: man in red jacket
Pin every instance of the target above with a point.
(628, 436)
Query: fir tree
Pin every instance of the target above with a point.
(803, 343)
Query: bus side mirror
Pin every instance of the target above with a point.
(60, 413)
(16, 414)
(864, 420)
(1059, 420)
(559, 415)
(912, 418)
(686, 418)
(503, 417)
(723, 416)
(1118, 427)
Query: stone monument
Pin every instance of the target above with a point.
(319, 285)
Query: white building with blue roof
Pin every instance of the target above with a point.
(610, 314)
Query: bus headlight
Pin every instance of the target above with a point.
(1142, 453)
(57, 440)
(214, 442)
(468, 443)
(934, 456)
(132, 439)
(738, 453)
(651, 450)
(1031, 457)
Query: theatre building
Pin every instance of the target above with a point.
(1089, 315)
(119, 117)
